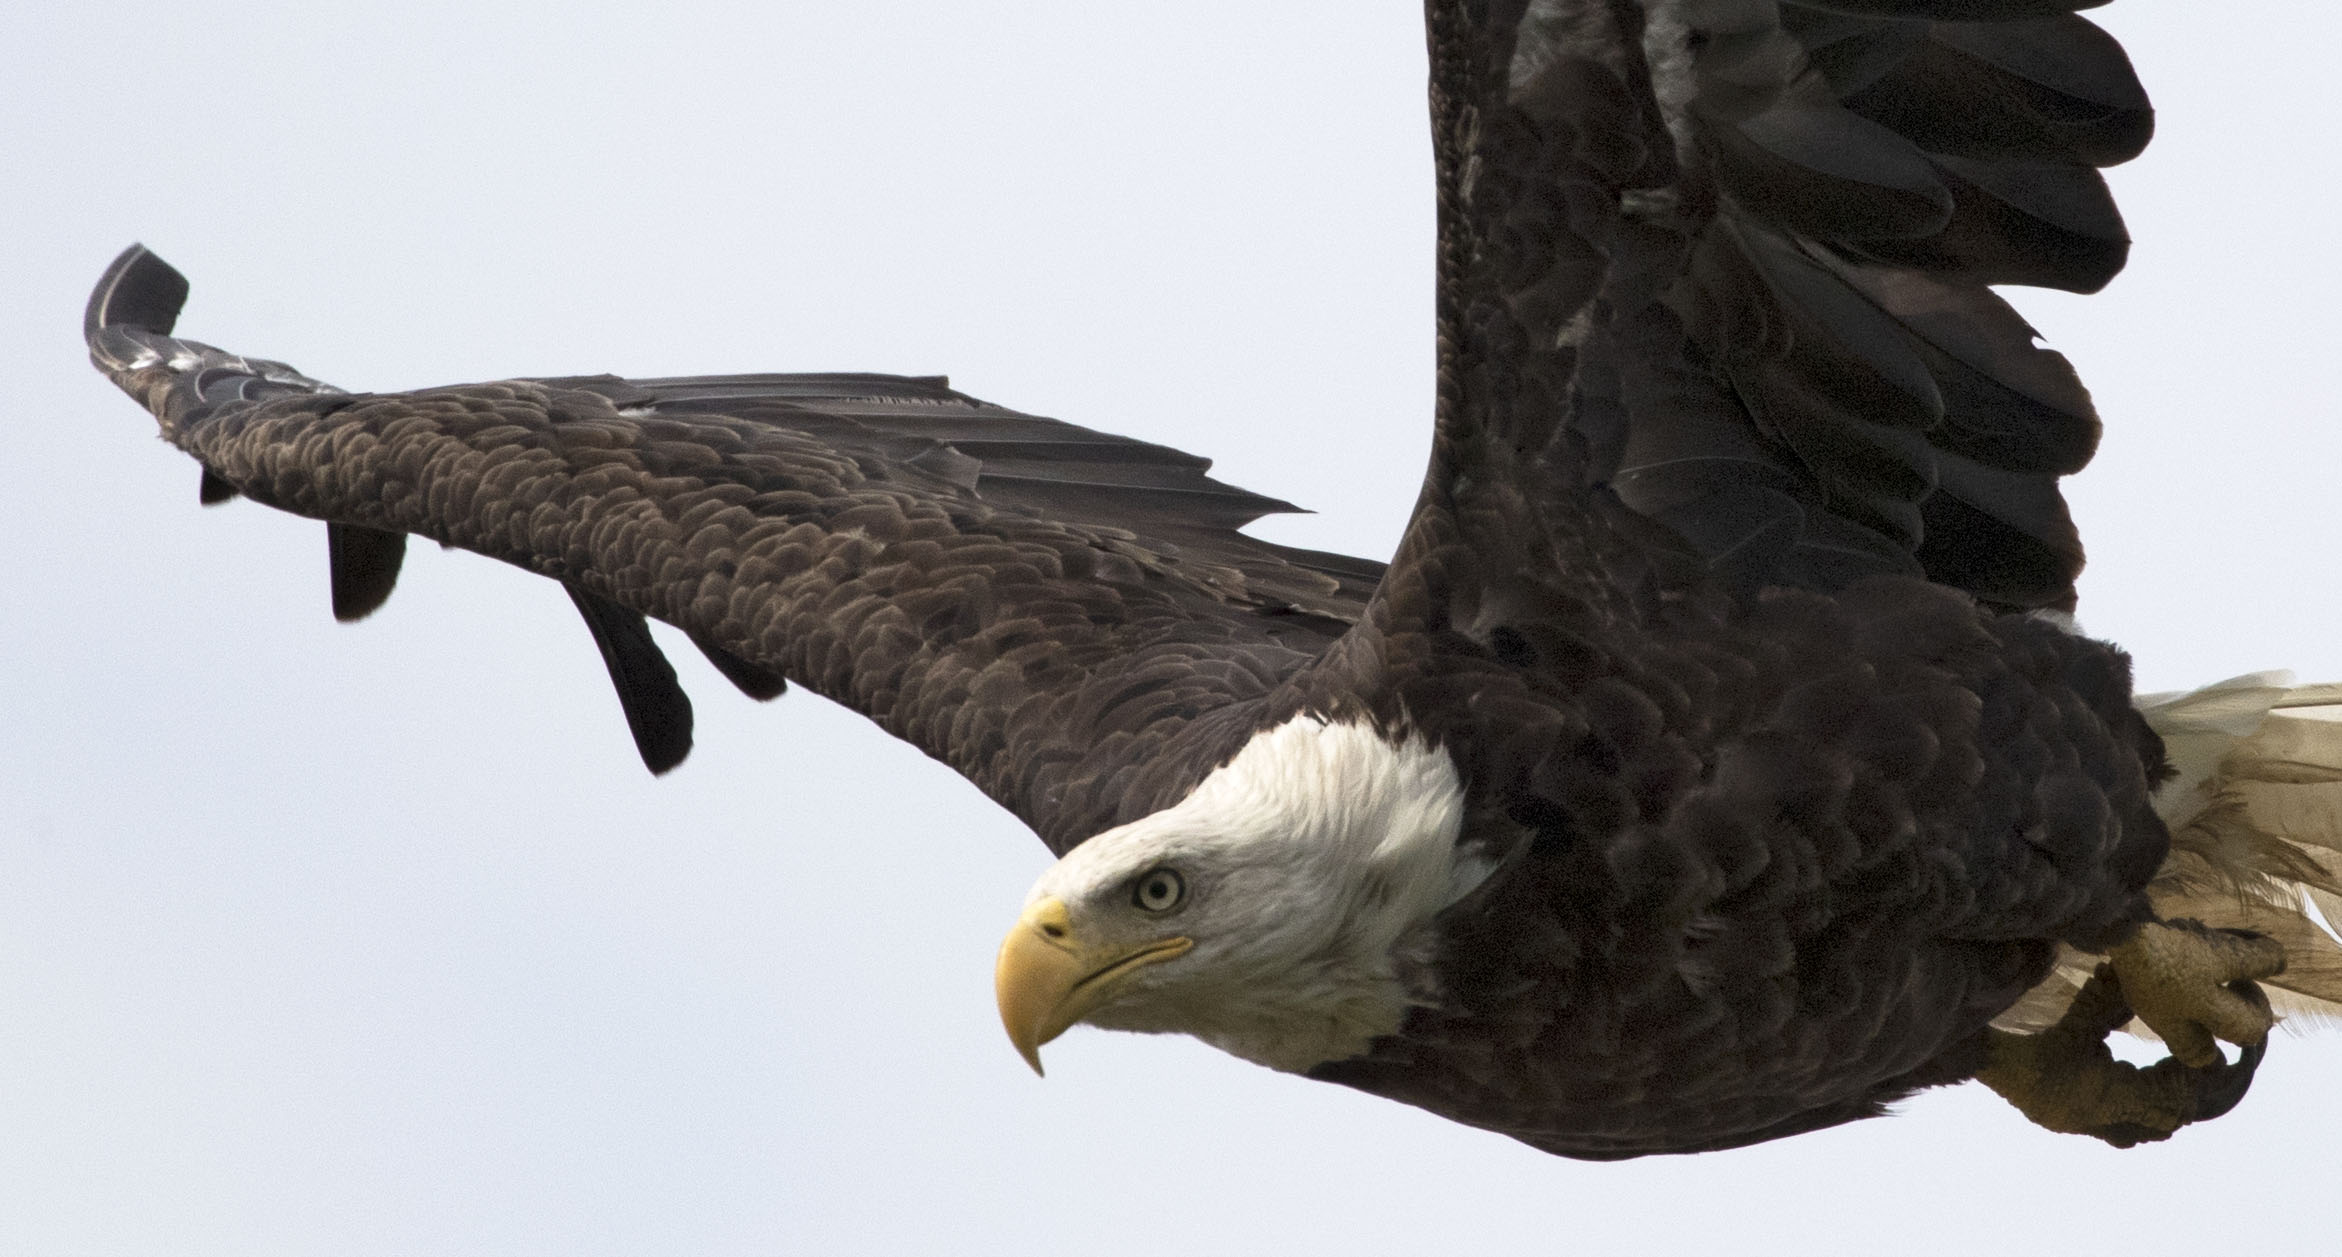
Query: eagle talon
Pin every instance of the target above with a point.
(2221, 1087)
(2065, 1079)
(2188, 984)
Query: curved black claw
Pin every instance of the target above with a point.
(2219, 1088)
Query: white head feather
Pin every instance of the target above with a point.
(1311, 860)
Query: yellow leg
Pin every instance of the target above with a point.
(2177, 976)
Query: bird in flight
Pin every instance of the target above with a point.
(1716, 758)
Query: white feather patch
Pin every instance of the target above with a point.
(1319, 854)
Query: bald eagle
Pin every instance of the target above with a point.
(1714, 760)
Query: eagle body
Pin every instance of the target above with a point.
(1807, 851)
(1711, 762)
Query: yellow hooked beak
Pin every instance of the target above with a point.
(1047, 978)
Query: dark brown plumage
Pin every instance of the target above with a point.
(1741, 485)
(1780, 859)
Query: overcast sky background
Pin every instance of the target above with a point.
(378, 940)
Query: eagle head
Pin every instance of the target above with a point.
(1280, 912)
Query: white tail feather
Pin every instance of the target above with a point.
(2255, 815)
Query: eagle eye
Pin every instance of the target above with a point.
(1159, 890)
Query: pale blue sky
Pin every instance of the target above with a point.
(377, 940)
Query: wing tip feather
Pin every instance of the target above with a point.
(140, 291)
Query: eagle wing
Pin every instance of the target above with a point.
(1727, 262)
(1031, 602)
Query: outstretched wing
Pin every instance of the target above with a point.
(1729, 260)
(1036, 604)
